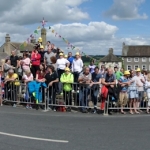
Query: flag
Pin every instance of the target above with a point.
(31, 35)
(53, 31)
(36, 31)
(39, 28)
(73, 47)
(60, 36)
(25, 43)
(28, 40)
(49, 27)
(56, 34)
(21, 46)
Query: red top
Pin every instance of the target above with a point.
(35, 58)
(40, 75)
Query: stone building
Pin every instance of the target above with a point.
(136, 56)
(9, 45)
(110, 60)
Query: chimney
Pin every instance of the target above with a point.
(7, 38)
(43, 36)
(111, 51)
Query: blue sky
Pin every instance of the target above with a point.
(93, 26)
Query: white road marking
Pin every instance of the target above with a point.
(33, 138)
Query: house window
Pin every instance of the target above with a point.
(144, 67)
(129, 59)
(136, 66)
(144, 59)
(129, 67)
(136, 59)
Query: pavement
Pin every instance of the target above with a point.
(37, 130)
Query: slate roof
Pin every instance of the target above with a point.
(110, 57)
(16, 45)
(136, 51)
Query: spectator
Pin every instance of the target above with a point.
(20, 70)
(140, 81)
(144, 73)
(108, 81)
(47, 56)
(84, 90)
(48, 45)
(123, 96)
(147, 86)
(53, 60)
(53, 48)
(11, 85)
(1, 102)
(67, 80)
(42, 52)
(58, 51)
(40, 74)
(14, 59)
(35, 60)
(95, 86)
(92, 66)
(66, 57)
(61, 63)
(102, 70)
(51, 78)
(77, 66)
(25, 62)
(70, 59)
(7, 66)
(28, 77)
(117, 73)
(132, 92)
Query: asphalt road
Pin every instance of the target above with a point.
(77, 131)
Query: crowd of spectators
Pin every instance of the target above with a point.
(49, 69)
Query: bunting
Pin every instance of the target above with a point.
(36, 32)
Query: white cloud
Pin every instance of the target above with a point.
(126, 10)
(29, 12)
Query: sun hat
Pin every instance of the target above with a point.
(67, 69)
(138, 70)
(126, 72)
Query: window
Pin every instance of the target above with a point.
(144, 59)
(136, 66)
(129, 59)
(129, 67)
(144, 67)
(136, 59)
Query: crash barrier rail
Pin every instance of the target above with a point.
(79, 96)
(53, 97)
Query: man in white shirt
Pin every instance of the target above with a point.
(77, 66)
(140, 81)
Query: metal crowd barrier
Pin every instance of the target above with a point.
(80, 96)
(19, 94)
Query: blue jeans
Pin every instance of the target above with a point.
(83, 96)
(94, 96)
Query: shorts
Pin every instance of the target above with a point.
(140, 95)
(133, 94)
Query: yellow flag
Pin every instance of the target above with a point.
(25, 44)
(39, 28)
(53, 31)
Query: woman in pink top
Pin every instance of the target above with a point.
(26, 63)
